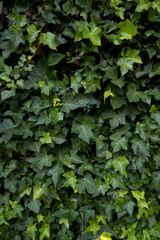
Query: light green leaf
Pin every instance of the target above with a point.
(32, 33)
(156, 5)
(48, 39)
(108, 93)
(143, 5)
(37, 191)
(40, 218)
(93, 227)
(120, 165)
(92, 34)
(64, 221)
(127, 30)
(44, 232)
(17, 19)
(129, 57)
(2, 220)
(115, 3)
(25, 191)
(46, 138)
(32, 229)
(70, 180)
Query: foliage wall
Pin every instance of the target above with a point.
(79, 119)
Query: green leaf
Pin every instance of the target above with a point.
(48, 39)
(37, 191)
(10, 184)
(17, 19)
(46, 138)
(44, 231)
(2, 220)
(84, 129)
(107, 93)
(34, 206)
(129, 57)
(120, 165)
(31, 230)
(69, 103)
(143, 5)
(56, 172)
(92, 34)
(86, 184)
(41, 160)
(32, 33)
(70, 180)
(54, 58)
(140, 147)
(156, 5)
(127, 30)
(93, 227)
(117, 102)
(115, 3)
(40, 218)
(132, 93)
(25, 191)
(118, 142)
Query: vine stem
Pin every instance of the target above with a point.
(21, 70)
(82, 232)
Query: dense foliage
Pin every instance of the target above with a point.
(79, 119)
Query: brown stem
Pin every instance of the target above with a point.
(21, 70)
(108, 4)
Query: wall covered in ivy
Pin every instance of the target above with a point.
(79, 120)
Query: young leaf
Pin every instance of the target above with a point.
(120, 165)
(48, 39)
(31, 230)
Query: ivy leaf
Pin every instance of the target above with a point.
(156, 5)
(92, 34)
(44, 231)
(54, 58)
(120, 165)
(2, 220)
(127, 30)
(46, 138)
(25, 191)
(56, 172)
(34, 206)
(69, 103)
(37, 191)
(93, 227)
(84, 129)
(86, 184)
(132, 93)
(16, 18)
(32, 33)
(143, 5)
(48, 39)
(40, 218)
(41, 160)
(31, 230)
(70, 180)
(118, 142)
(140, 147)
(129, 57)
